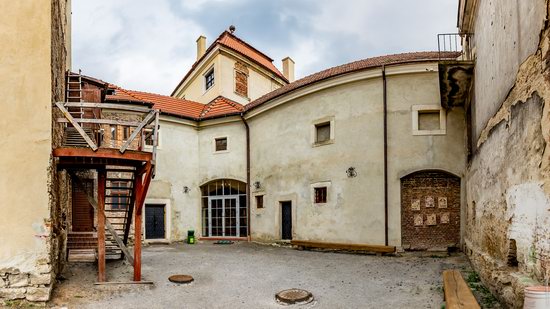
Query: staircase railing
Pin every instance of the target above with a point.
(107, 125)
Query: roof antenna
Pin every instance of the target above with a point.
(232, 29)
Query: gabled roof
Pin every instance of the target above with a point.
(229, 40)
(364, 64)
(219, 107)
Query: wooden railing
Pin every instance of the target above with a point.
(108, 125)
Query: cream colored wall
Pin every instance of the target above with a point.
(25, 84)
(194, 89)
(178, 166)
(285, 163)
(224, 80)
(258, 82)
(225, 164)
(408, 153)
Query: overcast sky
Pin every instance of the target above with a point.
(149, 45)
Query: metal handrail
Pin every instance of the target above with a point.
(458, 43)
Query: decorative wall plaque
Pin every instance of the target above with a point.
(429, 201)
(445, 217)
(418, 221)
(415, 204)
(431, 219)
(442, 202)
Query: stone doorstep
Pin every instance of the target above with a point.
(38, 294)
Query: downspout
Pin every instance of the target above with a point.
(385, 99)
(247, 128)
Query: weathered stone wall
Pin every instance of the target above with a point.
(508, 186)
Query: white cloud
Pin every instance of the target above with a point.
(128, 43)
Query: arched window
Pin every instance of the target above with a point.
(224, 211)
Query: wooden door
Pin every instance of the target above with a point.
(82, 211)
(286, 220)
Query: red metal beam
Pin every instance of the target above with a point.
(101, 175)
(103, 153)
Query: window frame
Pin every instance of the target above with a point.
(321, 122)
(319, 185)
(259, 197)
(209, 72)
(214, 144)
(320, 195)
(418, 109)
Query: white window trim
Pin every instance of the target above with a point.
(159, 144)
(322, 184)
(205, 90)
(329, 119)
(214, 145)
(167, 220)
(429, 108)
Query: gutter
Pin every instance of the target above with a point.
(385, 99)
(247, 128)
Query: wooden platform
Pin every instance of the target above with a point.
(340, 246)
(458, 294)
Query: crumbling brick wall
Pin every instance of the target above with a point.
(430, 210)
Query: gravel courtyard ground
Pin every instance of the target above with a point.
(248, 275)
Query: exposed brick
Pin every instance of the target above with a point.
(421, 187)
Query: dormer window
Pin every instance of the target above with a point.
(209, 79)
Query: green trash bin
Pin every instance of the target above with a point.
(191, 237)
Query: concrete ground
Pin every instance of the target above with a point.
(247, 275)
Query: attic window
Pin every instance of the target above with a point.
(209, 79)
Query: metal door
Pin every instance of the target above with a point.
(286, 220)
(154, 222)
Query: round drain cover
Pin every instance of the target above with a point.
(294, 296)
(181, 278)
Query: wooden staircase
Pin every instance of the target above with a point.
(82, 246)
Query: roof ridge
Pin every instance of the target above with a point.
(247, 44)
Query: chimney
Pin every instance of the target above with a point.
(201, 46)
(288, 69)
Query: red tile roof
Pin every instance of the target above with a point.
(219, 107)
(231, 41)
(352, 67)
(167, 105)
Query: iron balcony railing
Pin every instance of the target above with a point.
(458, 43)
(107, 125)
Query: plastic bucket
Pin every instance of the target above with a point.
(537, 297)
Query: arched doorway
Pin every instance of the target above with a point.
(224, 211)
(430, 210)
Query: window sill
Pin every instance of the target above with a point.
(429, 132)
(317, 144)
(221, 151)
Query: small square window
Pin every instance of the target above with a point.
(259, 201)
(320, 195)
(322, 132)
(428, 120)
(221, 143)
(209, 79)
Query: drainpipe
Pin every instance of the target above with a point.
(385, 98)
(247, 128)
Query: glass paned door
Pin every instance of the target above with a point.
(223, 214)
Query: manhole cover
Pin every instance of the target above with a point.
(294, 296)
(181, 278)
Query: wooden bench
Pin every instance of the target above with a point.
(339, 246)
(458, 294)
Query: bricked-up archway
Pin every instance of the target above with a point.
(430, 210)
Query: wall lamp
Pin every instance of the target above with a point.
(351, 172)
